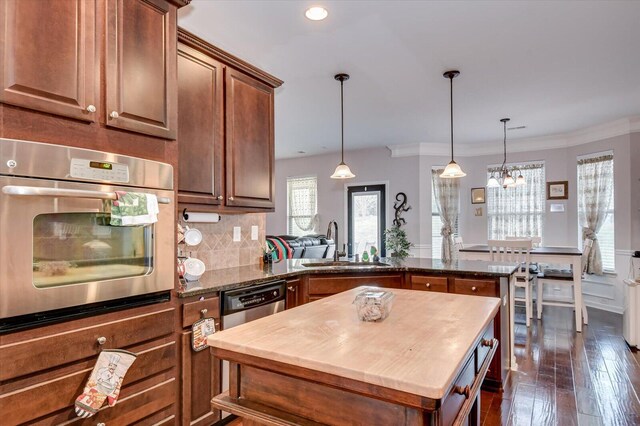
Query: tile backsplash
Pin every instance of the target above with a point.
(218, 250)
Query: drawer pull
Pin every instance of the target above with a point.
(487, 343)
(101, 424)
(102, 340)
(428, 285)
(466, 391)
(291, 288)
(474, 289)
(203, 312)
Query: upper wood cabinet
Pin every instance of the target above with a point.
(201, 131)
(140, 67)
(48, 56)
(112, 62)
(249, 142)
(226, 129)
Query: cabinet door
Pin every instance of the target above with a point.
(141, 67)
(200, 383)
(249, 141)
(293, 293)
(200, 127)
(48, 56)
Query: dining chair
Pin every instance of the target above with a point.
(562, 277)
(517, 251)
(457, 243)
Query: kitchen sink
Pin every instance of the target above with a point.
(345, 263)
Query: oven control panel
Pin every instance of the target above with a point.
(99, 170)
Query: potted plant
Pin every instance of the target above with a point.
(396, 241)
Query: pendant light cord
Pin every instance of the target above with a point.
(342, 118)
(504, 162)
(451, 96)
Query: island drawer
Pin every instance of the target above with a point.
(485, 345)
(459, 392)
(53, 346)
(475, 287)
(326, 285)
(427, 283)
(192, 311)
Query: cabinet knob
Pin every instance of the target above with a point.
(113, 114)
(203, 312)
(474, 289)
(230, 198)
(102, 340)
(101, 424)
(428, 285)
(220, 197)
(466, 391)
(91, 108)
(487, 343)
(291, 288)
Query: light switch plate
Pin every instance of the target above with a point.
(236, 233)
(254, 233)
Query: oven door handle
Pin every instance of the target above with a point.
(67, 193)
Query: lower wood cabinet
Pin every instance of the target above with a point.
(320, 286)
(428, 283)
(201, 372)
(294, 291)
(45, 369)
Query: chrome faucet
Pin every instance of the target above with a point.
(337, 253)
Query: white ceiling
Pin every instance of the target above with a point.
(554, 66)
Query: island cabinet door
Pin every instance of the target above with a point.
(200, 127)
(141, 84)
(249, 142)
(48, 56)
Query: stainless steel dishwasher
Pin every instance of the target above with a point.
(248, 304)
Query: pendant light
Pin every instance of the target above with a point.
(452, 170)
(342, 171)
(505, 174)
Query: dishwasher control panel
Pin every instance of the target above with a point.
(238, 300)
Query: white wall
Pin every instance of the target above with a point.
(412, 175)
(369, 166)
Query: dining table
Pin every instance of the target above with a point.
(558, 255)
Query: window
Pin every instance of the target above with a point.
(366, 210)
(595, 195)
(436, 222)
(302, 205)
(517, 211)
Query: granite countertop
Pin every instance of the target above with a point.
(243, 276)
(326, 336)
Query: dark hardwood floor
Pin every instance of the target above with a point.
(568, 378)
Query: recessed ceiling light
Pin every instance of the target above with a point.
(302, 152)
(517, 128)
(316, 13)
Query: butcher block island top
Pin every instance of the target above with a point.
(412, 358)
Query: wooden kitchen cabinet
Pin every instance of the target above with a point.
(428, 283)
(45, 369)
(201, 372)
(294, 293)
(141, 94)
(320, 286)
(54, 61)
(226, 136)
(48, 57)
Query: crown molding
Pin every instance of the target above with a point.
(600, 132)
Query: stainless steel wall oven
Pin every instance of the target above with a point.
(58, 252)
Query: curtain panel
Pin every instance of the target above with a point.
(302, 203)
(517, 211)
(595, 197)
(447, 197)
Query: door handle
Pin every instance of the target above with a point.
(65, 193)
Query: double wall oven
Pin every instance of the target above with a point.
(59, 256)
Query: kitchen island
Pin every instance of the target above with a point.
(319, 364)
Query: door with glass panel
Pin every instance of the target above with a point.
(366, 211)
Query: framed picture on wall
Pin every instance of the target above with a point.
(477, 196)
(558, 190)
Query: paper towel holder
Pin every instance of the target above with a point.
(185, 215)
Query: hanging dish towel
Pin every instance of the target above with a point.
(134, 208)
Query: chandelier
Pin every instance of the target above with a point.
(504, 177)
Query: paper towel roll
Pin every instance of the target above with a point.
(202, 217)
